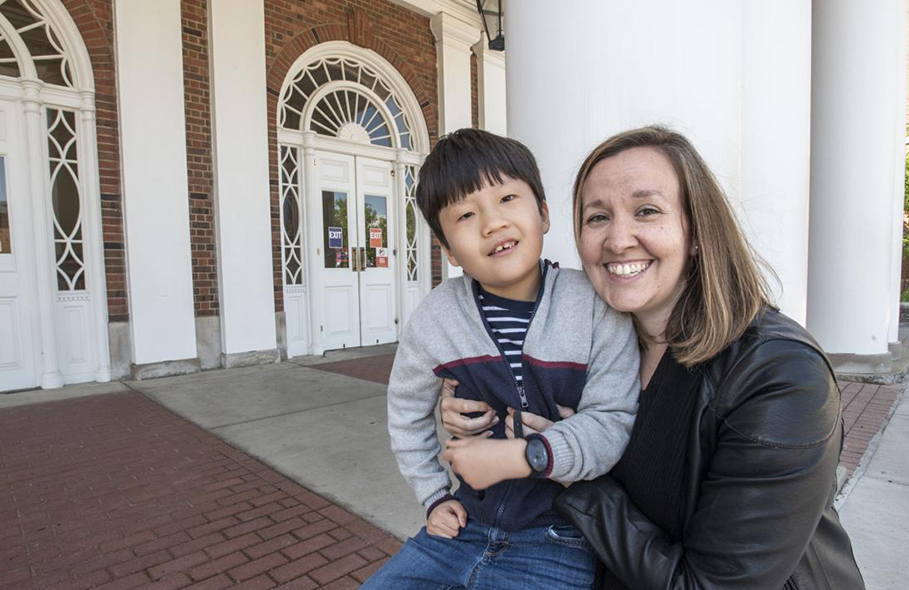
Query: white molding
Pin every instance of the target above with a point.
(491, 88)
(463, 9)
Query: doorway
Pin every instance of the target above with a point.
(357, 254)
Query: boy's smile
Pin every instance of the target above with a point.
(496, 235)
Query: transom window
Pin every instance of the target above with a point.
(28, 41)
(350, 101)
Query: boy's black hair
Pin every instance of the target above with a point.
(463, 162)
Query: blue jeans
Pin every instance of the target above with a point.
(482, 557)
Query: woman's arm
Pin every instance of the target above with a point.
(771, 476)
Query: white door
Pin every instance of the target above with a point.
(17, 366)
(357, 258)
(375, 232)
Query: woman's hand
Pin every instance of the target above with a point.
(533, 424)
(453, 410)
(483, 462)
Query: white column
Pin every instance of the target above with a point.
(94, 236)
(312, 246)
(491, 91)
(35, 133)
(858, 125)
(240, 158)
(719, 74)
(155, 193)
(453, 41)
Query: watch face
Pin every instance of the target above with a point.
(537, 457)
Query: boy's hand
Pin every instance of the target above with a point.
(484, 462)
(447, 519)
(532, 423)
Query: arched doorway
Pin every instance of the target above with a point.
(355, 252)
(52, 296)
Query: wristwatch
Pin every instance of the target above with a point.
(537, 455)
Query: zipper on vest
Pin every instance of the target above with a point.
(524, 403)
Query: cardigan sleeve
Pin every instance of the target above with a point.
(770, 477)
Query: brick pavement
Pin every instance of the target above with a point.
(865, 407)
(372, 368)
(115, 491)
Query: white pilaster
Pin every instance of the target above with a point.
(454, 39)
(491, 91)
(858, 124)
(240, 158)
(94, 238)
(313, 244)
(51, 377)
(719, 75)
(155, 193)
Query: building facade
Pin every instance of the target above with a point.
(205, 183)
(194, 184)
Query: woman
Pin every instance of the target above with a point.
(729, 478)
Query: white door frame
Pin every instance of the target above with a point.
(304, 305)
(69, 327)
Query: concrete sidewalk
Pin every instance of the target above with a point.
(321, 422)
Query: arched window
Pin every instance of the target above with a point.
(340, 97)
(30, 47)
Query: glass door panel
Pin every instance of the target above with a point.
(334, 229)
(5, 238)
(376, 238)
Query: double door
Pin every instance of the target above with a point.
(357, 258)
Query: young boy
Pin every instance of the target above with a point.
(514, 332)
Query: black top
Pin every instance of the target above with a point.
(653, 468)
(763, 442)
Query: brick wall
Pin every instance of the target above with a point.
(94, 18)
(399, 35)
(196, 88)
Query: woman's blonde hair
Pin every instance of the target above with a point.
(724, 288)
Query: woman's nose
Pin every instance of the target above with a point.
(621, 235)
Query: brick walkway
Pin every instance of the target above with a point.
(865, 407)
(372, 368)
(114, 491)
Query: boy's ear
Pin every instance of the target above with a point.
(451, 259)
(544, 213)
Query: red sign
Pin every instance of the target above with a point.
(381, 257)
(375, 237)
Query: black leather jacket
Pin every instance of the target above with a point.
(760, 481)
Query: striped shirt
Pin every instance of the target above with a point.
(508, 319)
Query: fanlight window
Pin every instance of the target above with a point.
(350, 109)
(34, 35)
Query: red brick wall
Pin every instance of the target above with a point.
(196, 89)
(94, 18)
(399, 35)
